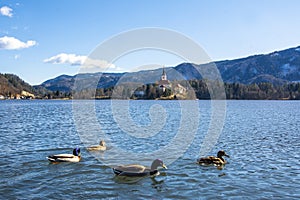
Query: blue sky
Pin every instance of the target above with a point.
(40, 40)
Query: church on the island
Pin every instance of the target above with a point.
(177, 89)
(164, 82)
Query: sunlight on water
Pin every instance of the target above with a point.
(261, 137)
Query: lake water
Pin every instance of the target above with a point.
(261, 137)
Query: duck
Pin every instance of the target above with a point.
(212, 160)
(139, 170)
(75, 157)
(100, 147)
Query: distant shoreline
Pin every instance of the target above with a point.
(163, 99)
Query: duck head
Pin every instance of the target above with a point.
(221, 154)
(158, 163)
(76, 151)
(102, 143)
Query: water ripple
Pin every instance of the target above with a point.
(262, 138)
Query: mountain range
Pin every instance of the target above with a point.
(278, 68)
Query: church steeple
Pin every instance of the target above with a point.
(164, 75)
(163, 82)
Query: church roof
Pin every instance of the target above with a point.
(163, 82)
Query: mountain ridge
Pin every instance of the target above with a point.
(278, 67)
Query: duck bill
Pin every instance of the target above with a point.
(164, 166)
(227, 156)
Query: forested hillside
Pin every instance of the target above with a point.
(11, 85)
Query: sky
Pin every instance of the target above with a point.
(40, 40)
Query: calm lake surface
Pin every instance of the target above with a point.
(261, 137)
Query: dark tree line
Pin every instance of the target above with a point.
(260, 91)
(11, 85)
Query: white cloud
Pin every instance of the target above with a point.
(14, 43)
(87, 64)
(64, 58)
(101, 64)
(6, 11)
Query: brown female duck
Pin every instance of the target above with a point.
(100, 147)
(212, 160)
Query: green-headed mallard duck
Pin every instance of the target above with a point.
(139, 170)
(212, 160)
(75, 157)
(100, 147)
